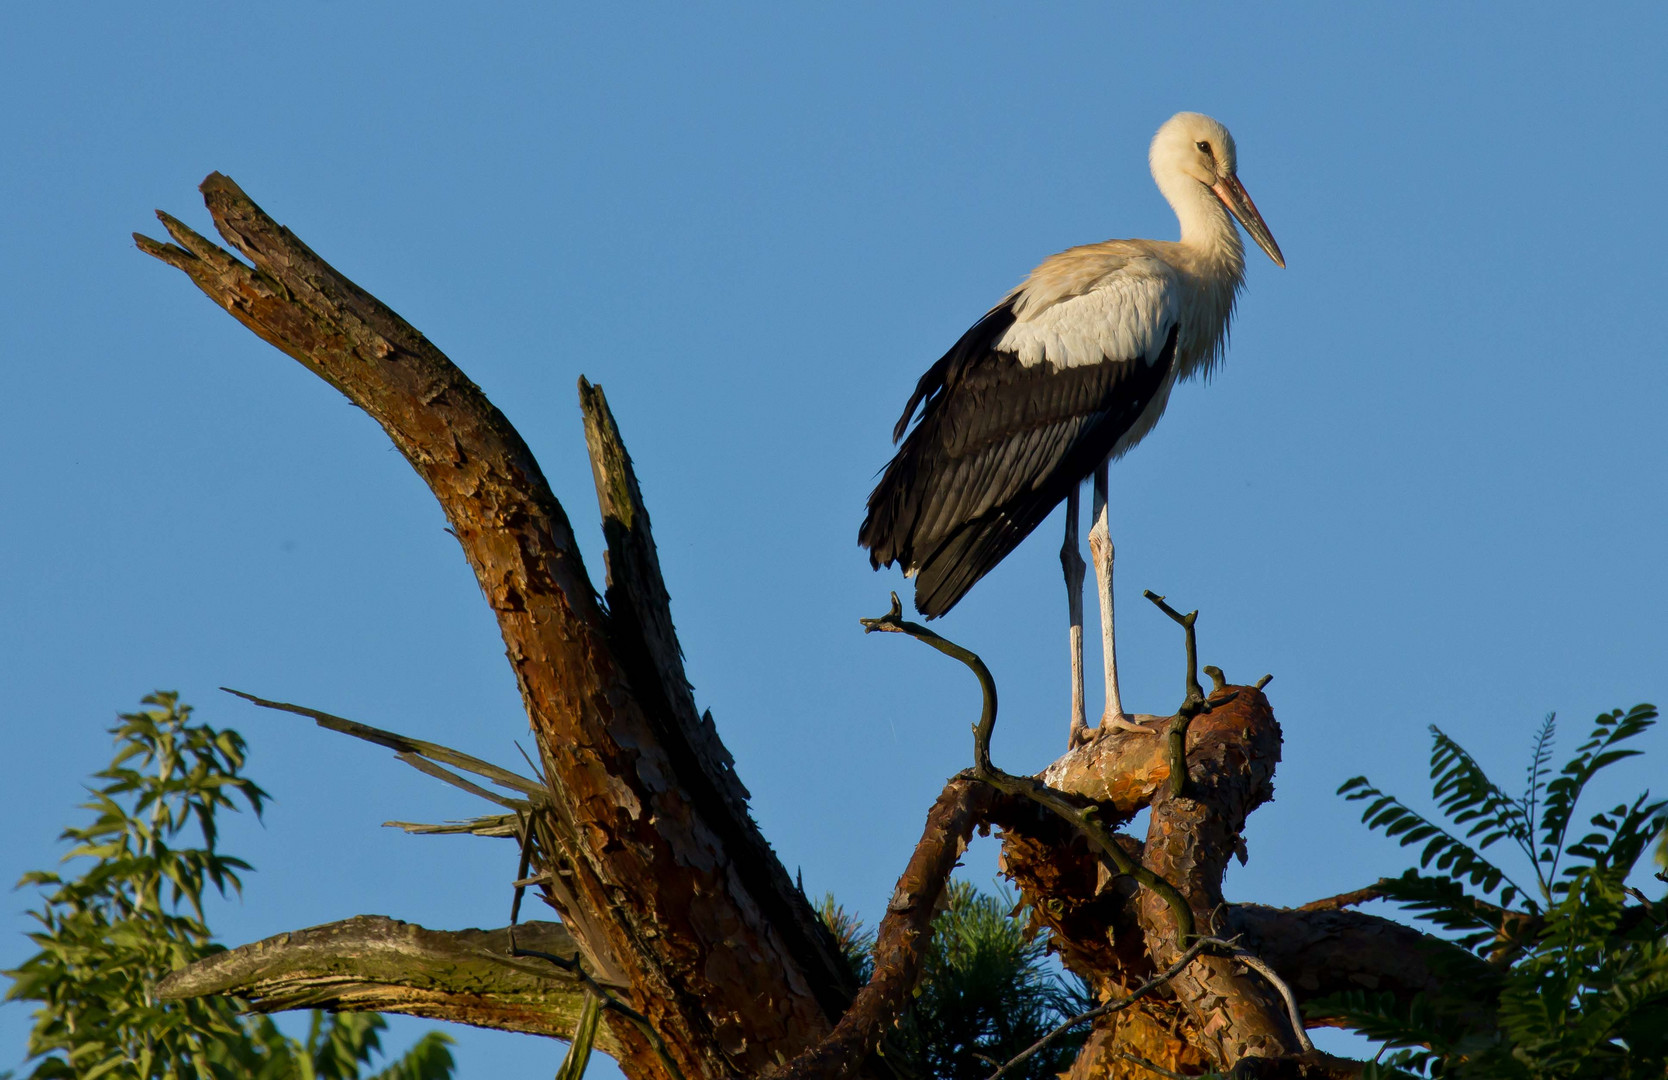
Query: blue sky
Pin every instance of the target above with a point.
(1427, 486)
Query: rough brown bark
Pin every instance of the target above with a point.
(659, 906)
(640, 616)
(1190, 839)
(1090, 919)
(902, 939)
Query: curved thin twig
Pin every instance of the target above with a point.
(902, 938)
(1279, 984)
(1194, 702)
(1028, 787)
(1195, 692)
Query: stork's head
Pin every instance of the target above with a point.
(1193, 147)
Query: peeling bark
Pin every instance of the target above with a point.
(901, 942)
(640, 616)
(1190, 839)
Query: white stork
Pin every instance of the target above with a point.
(1068, 372)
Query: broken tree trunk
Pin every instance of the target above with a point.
(674, 909)
(673, 897)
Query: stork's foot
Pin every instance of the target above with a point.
(1084, 735)
(1126, 722)
(1145, 723)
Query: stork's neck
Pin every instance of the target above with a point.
(1211, 254)
(1208, 234)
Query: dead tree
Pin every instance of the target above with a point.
(677, 920)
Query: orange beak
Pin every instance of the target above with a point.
(1238, 201)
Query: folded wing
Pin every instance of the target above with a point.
(1021, 409)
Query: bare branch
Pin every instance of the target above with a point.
(1344, 899)
(1320, 953)
(499, 825)
(902, 940)
(640, 627)
(404, 745)
(375, 964)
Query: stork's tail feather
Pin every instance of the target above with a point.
(879, 534)
(968, 555)
(888, 528)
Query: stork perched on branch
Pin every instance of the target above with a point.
(1068, 372)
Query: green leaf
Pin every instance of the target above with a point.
(132, 915)
(1578, 986)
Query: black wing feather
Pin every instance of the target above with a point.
(971, 346)
(998, 445)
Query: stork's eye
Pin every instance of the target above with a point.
(1204, 147)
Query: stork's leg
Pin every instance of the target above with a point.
(1100, 550)
(1071, 560)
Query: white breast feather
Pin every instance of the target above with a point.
(1127, 314)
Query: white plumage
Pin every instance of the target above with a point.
(1126, 315)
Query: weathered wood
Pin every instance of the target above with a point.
(374, 964)
(1122, 770)
(1116, 935)
(1323, 952)
(1190, 838)
(652, 897)
(1092, 919)
(640, 617)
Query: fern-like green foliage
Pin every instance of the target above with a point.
(1578, 983)
(986, 992)
(135, 913)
